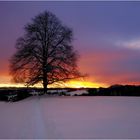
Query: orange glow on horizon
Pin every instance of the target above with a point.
(11, 85)
(69, 84)
(83, 84)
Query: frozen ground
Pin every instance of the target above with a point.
(78, 92)
(71, 117)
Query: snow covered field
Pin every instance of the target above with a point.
(71, 117)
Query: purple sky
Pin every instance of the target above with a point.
(106, 34)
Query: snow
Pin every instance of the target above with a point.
(78, 92)
(71, 117)
(58, 91)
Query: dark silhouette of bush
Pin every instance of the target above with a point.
(22, 94)
(92, 92)
(13, 94)
(115, 90)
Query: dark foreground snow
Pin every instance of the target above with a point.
(71, 117)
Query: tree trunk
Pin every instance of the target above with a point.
(45, 85)
(45, 82)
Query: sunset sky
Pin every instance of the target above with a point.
(106, 35)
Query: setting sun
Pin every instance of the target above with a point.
(82, 84)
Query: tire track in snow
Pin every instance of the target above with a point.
(33, 125)
(39, 122)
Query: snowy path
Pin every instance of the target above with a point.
(34, 127)
(71, 117)
(22, 120)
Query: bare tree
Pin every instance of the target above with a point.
(45, 53)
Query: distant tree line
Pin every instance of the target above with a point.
(17, 94)
(115, 90)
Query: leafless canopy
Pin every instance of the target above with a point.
(45, 53)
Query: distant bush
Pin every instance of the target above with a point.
(92, 92)
(13, 95)
(22, 94)
(3, 97)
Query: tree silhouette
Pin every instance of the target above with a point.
(44, 54)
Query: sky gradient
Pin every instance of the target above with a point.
(106, 35)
